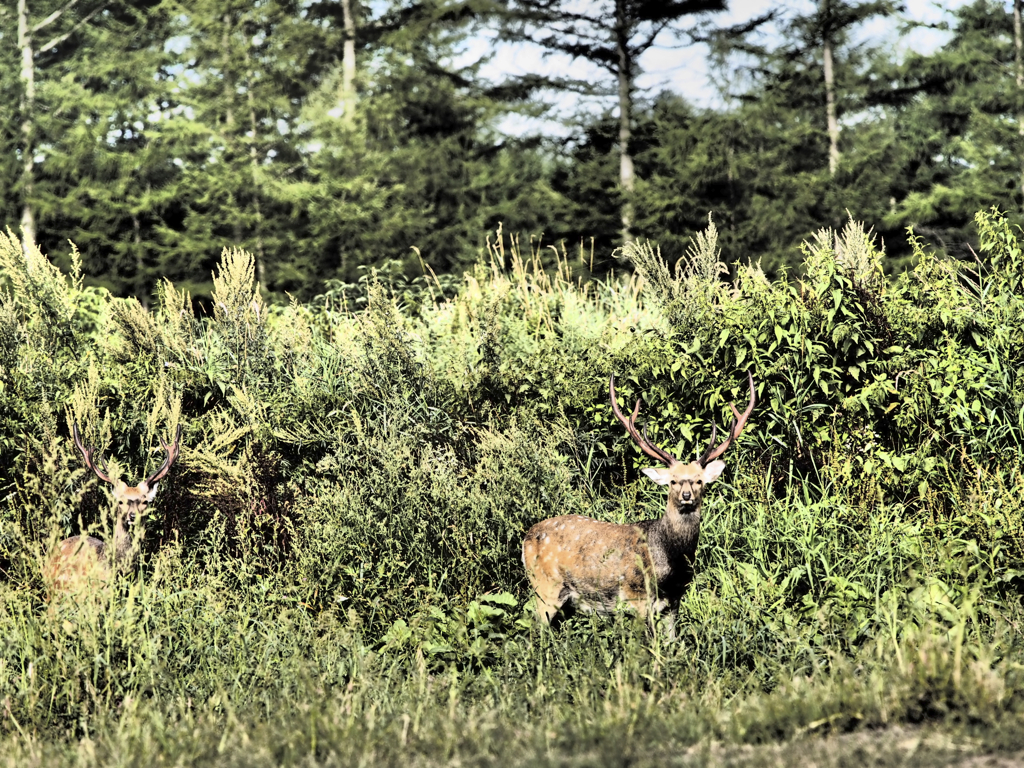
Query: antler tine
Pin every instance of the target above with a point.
(172, 455)
(87, 456)
(711, 445)
(646, 445)
(630, 423)
(665, 456)
(739, 421)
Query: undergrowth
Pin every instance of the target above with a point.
(332, 571)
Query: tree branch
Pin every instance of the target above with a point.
(58, 40)
(597, 54)
(54, 16)
(735, 31)
(639, 48)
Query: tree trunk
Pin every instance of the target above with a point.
(254, 166)
(228, 125)
(28, 128)
(140, 284)
(348, 66)
(625, 73)
(1018, 43)
(229, 94)
(830, 90)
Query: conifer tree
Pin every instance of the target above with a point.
(57, 40)
(241, 78)
(611, 34)
(782, 159)
(416, 175)
(959, 122)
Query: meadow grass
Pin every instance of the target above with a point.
(182, 666)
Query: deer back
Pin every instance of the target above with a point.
(78, 563)
(597, 563)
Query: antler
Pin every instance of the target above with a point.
(172, 456)
(630, 424)
(87, 456)
(738, 422)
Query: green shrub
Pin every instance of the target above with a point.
(333, 571)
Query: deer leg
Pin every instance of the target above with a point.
(668, 619)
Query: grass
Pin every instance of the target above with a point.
(186, 666)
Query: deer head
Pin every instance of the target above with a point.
(131, 500)
(685, 482)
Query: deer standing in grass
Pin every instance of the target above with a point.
(85, 562)
(647, 565)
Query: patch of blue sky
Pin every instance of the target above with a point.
(673, 64)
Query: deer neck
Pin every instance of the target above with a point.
(672, 543)
(679, 529)
(124, 544)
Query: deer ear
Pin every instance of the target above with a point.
(150, 492)
(713, 470)
(658, 475)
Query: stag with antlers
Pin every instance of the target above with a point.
(84, 561)
(645, 566)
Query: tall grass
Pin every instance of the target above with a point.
(332, 574)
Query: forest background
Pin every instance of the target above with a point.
(329, 137)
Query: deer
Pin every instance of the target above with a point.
(84, 562)
(644, 566)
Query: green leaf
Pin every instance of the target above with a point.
(499, 598)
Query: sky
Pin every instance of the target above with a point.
(683, 69)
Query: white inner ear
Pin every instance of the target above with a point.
(713, 470)
(151, 493)
(658, 475)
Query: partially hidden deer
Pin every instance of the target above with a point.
(644, 566)
(84, 562)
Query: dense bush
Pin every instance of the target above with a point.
(336, 552)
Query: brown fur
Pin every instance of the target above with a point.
(595, 565)
(83, 563)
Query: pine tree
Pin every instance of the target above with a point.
(416, 176)
(782, 159)
(959, 120)
(68, 88)
(612, 34)
(236, 135)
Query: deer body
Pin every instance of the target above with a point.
(645, 566)
(85, 562)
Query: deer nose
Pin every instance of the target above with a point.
(686, 495)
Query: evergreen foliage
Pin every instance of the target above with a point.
(160, 136)
(959, 130)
